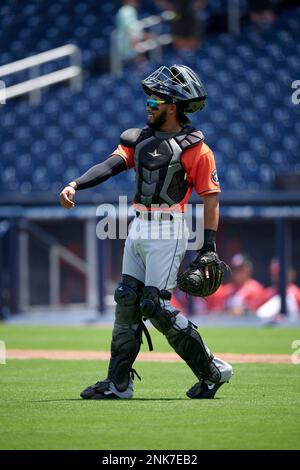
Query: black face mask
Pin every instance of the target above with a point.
(158, 121)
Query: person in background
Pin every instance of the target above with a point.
(129, 31)
(188, 28)
(263, 11)
(272, 304)
(243, 294)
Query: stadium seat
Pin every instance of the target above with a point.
(250, 121)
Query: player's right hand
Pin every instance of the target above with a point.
(66, 197)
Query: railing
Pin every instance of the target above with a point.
(33, 86)
(57, 253)
(152, 45)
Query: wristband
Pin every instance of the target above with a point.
(209, 241)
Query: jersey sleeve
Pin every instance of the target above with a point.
(199, 164)
(127, 153)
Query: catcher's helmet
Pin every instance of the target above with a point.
(178, 84)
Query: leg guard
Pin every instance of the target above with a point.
(180, 333)
(125, 344)
(127, 333)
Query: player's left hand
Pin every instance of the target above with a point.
(204, 275)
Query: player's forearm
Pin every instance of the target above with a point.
(99, 173)
(211, 221)
(211, 211)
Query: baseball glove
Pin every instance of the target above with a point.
(204, 275)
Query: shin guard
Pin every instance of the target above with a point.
(181, 334)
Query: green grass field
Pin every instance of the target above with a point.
(40, 406)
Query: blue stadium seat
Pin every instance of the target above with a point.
(279, 160)
(266, 175)
(271, 132)
(219, 118)
(227, 149)
(238, 132)
(259, 147)
(249, 121)
(233, 177)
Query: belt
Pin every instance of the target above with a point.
(154, 215)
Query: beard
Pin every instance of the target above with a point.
(158, 121)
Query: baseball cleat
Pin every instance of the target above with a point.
(204, 390)
(106, 390)
(99, 391)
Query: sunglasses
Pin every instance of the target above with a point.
(153, 104)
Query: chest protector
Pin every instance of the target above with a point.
(160, 176)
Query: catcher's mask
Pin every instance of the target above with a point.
(179, 85)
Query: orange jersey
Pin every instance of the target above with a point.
(199, 165)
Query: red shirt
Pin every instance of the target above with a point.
(250, 296)
(292, 290)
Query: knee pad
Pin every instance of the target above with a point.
(150, 302)
(128, 291)
(127, 296)
(151, 308)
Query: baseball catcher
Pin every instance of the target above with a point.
(170, 159)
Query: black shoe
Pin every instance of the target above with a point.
(204, 390)
(99, 391)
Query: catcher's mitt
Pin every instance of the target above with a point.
(204, 275)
